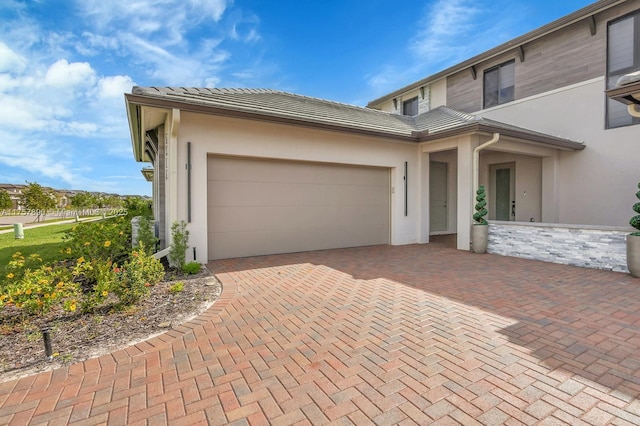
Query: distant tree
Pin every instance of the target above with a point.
(138, 206)
(35, 197)
(5, 199)
(113, 201)
(82, 200)
(99, 200)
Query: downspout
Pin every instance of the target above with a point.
(476, 156)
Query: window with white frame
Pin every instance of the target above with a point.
(499, 84)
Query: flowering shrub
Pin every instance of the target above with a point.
(17, 266)
(88, 278)
(106, 240)
(133, 279)
(96, 280)
(38, 290)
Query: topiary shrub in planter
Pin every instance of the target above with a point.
(633, 241)
(480, 228)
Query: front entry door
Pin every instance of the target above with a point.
(504, 205)
(438, 211)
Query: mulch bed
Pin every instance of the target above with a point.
(76, 337)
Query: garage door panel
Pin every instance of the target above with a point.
(264, 206)
(227, 193)
(260, 218)
(357, 194)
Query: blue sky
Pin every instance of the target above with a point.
(65, 65)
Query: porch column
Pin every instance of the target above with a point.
(172, 160)
(465, 191)
(425, 198)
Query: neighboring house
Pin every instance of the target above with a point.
(15, 193)
(262, 171)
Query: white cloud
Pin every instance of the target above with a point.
(244, 28)
(168, 20)
(62, 85)
(448, 29)
(91, 44)
(65, 74)
(448, 32)
(10, 61)
(35, 156)
(114, 86)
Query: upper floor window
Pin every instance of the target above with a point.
(499, 84)
(410, 107)
(623, 57)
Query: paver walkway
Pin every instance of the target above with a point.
(375, 335)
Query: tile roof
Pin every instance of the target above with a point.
(289, 107)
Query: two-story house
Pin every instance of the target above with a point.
(15, 193)
(263, 171)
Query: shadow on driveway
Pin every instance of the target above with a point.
(582, 321)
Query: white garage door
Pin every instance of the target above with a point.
(258, 207)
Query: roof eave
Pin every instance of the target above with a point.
(536, 138)
(135, 127)
(540, 32)
(161, 102)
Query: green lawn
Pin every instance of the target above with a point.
(45, 241)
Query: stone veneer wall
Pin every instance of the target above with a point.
(578, 245)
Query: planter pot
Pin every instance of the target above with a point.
(633, 255)
(480, 238)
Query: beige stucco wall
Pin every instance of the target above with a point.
(596, 186)
(528, 183)
(232, 136)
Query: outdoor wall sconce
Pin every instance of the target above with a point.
(627, 91)
(395, 103)
(422, 92)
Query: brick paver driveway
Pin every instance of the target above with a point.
(375, 335)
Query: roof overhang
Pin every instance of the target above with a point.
(142, 116)
(144, 102)
(521, 136)
(147, 112)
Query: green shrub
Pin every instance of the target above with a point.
(106, 240)
(138, 206)
(133, 279)
(146, 235)
(191, 268)
(179, 244)
(177, 287)
(635, 220)
(481, 204)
